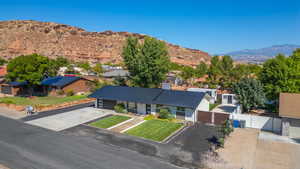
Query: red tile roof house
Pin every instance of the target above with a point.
(289, 110)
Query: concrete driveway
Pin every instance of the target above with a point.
(69, 119)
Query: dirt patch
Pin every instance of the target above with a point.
(48, 107)
(63, 105)
(3, 167)
(243, 149)
(240, 148)
(277, 155)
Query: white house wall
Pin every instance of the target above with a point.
(259, 122)
(141, 108)
(153, 109)
(189, 114)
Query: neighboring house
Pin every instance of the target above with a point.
(63, 71)
(14, 88)
(115, 74)
(289, 110)
(54, 85)
(229, 99)
(211, 92)
(182, 104)
(3, 72)
(110, 68)
(173, 79)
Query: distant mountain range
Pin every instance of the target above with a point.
(262, 54)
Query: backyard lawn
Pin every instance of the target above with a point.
(46, 100)
(109, 121)
(156, 130)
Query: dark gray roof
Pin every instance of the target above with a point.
(150, 96)
(179, 98)
(59, 81)
(131, 94)
(16, 83)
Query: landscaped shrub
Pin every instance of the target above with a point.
(70, 93)
(225, 129)
(150, 117)
(165, 114)
(120, 108)
(60, 92)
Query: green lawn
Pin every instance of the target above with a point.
(156, 130)
(46, 100)
(109, 121)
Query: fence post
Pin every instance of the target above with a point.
(213, 118)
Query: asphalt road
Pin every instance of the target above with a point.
(28, 147)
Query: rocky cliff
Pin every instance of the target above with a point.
(52, 40)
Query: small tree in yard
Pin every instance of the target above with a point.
(250, 93)
(225, 129)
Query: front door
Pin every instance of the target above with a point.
(180, 115)
(229, 100)
(148, 108)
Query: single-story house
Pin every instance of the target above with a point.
(14, 88)
(211, 92)
(228, 98)
(182, 104)
(173, 78)
(289, 110)
(115, 74)
(54, 85)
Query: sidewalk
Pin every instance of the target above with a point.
(11, 113)
(128, 124)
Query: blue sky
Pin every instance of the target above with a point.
(215, 26)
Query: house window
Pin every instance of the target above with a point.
(132, 107)
(180, 111)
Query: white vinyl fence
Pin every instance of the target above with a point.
(259, 122)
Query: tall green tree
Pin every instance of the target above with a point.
(201, 70)
(281, 74)
(214, 71)
(30, 68)
(57, 63)
(148, 63)
(250, 93)
(188, 74)
(98, 69)
(2, 61)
